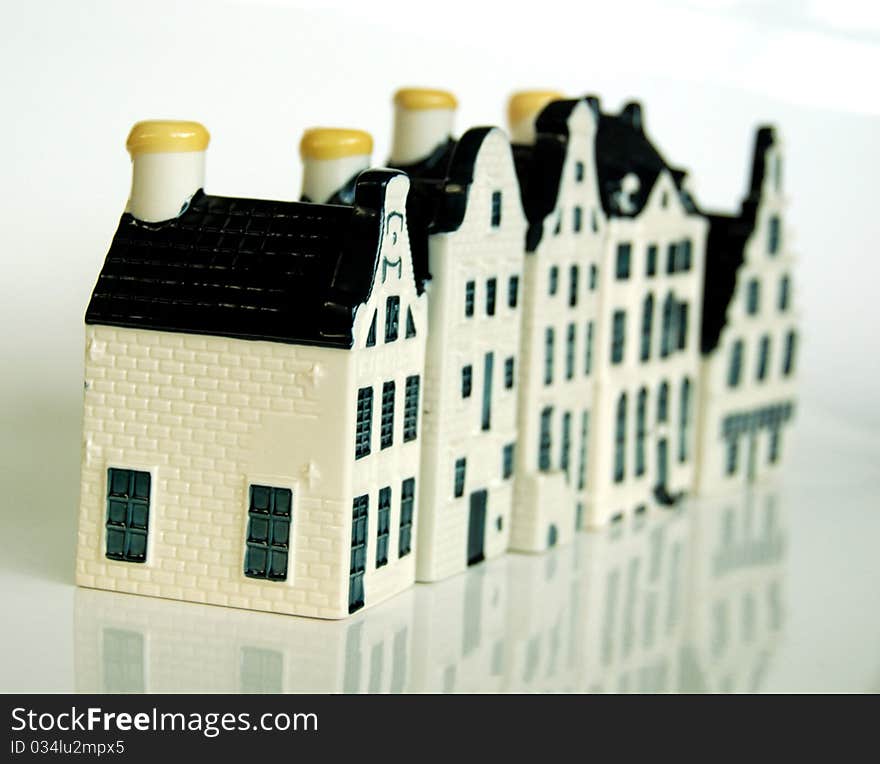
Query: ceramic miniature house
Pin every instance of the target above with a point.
(304, 407)
(465, 204)
(253, 384)
(557, 170)
(647, 347)
(749, 332)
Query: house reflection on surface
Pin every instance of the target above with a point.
(683, 600)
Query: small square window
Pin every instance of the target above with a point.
(491, 288)
(509, 373)
(624, 253)
(470, 289)
(392, 318)
(460, 467)
(467, 380)
(513, 291)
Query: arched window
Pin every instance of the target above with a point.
(620, 440)
(663, 402)
(684, 415)
(641, 416)
(647, 326)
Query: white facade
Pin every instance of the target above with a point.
(647, 342)
(748, 379)
(558, 353)
(469, 425)
(208, 418)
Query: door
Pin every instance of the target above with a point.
(477, 527)
(662, 462)
(358, 563)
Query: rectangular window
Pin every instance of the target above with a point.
(624, 254)
(128, 514)
(585, 439)
(682, 325)
(732, 456)
(507, 461)
(788, 362)
(383, 526)
(618, 336)
(651, 260)
(578, 219)
(685, 255)
(752, 296)
(594, 277)
(358, 564)
(734, 371)
(774, 233)
(407, 512)
(392, 318)
(467, 380)
(488, 367)
(784, 292)
(553, 284)
(548, 355)
(496, 209)
(364, 428)
(460, 469)
(763, 357)
(470, 289)
(588, 350)
(411, 408)
(579, 172)
(647, 327)
(386, 438)
(545, 441)
(509, 372)
(574, 277)
(620, 440)
(773, 451)
(565, 450)
(268, 534)
(491, 288)
(671, 257)
(512, 291)
(684, 421)
(570, 341)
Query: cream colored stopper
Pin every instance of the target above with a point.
(423, 120)
(331, 157)
(523, 109)
(167, 167)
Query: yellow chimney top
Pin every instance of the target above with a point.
(334, 143)
(527, 103)
(424, 98)
(155, 136)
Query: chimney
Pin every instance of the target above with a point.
(331, 157)
(523, 109)
(423, 120)
(168, 167)
(632, 115)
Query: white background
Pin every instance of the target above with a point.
(74, 76)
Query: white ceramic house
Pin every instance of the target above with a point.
(749, 333)
(647, 343)
(555, 156)
(467, 228)
(252, 391)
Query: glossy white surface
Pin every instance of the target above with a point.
(69, 97)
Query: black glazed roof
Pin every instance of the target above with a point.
(623, 148)
(255, 269)
(725, 248)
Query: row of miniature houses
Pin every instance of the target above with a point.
(304, 406)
